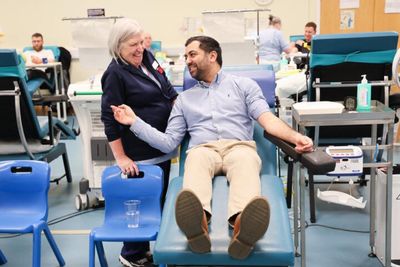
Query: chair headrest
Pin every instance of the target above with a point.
(350, 42)
(263, 75)
(8, 57)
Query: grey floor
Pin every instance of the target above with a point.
(325, 246)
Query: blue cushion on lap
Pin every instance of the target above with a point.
(274, 249)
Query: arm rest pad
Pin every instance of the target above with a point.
(317, 162)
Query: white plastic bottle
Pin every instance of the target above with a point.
(364, 95)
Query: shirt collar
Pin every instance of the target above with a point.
(217, 80)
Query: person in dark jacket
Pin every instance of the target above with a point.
(136, 79)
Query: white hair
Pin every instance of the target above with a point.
(120, 32)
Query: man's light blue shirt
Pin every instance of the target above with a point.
(224, 109)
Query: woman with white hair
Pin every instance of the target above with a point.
(272, 43)
(135, 78)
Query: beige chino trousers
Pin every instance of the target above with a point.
(237, 160)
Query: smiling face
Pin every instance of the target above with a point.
(200, 62)
(308, 33)
(132, 50)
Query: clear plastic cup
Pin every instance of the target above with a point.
(132, 213)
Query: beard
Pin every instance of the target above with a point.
(38, 48)
(198, 74)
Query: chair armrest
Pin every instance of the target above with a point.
(317, 162)
(48, 100)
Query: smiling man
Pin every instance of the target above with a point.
(304, 45)
(218, 114)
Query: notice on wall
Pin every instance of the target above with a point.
(392, 6)
(345, 4)
(347, 19)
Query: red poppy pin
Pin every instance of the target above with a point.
(160, 70)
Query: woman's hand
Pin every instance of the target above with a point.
(124, 114)
(127, 165)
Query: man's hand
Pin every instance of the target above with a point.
(127, 165)
(36, 60)
(300, 42)
(124, 114)
(303, 144)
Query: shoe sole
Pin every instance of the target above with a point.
(254, 223)
(189, 217)
(126, 263)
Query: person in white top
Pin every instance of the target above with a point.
(39, 55)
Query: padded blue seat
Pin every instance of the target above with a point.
(263, 75)
(274, 249)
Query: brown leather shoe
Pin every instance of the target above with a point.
(192, 220)
(250, 225)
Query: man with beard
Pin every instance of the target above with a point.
(218, 114)
(38, 55)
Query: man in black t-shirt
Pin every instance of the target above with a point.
(304, 46)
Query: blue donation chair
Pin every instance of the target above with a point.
(274, 249)
(23, 134)
(23, 204)
(337, 62)
(116, 189)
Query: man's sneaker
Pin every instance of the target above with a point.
(143, 262)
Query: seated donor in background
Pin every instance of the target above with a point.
(304, 45)
(218, 114)
(38, 55)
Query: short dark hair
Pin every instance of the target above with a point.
(36, 34)
(208, 45)
(312, 24)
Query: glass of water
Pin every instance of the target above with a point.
(132, 213)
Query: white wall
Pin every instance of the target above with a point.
(19, 18)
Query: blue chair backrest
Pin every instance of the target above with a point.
(370, 47)
(53, 48)
(345, 57)
(24, 185)
(294, 38)
(9, 74)
(263, 75)
(147, 189)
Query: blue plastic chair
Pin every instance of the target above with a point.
(3, 259)
(116, 190)
(23, 204)
(27, 135)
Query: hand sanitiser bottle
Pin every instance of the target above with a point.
(364, 95)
